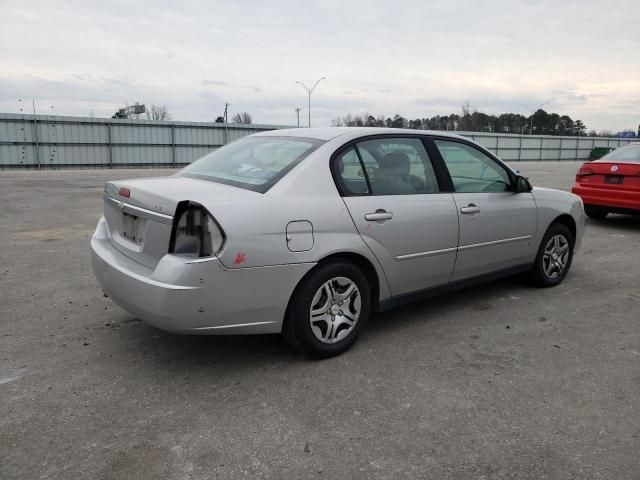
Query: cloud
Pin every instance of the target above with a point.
(414, 58)
(219, 83)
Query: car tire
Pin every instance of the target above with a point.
(328, 310)
(554, 257)
(594, 212)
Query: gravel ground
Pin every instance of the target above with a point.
(498, 381)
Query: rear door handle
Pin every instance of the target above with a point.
(378, 216)
(471, 208)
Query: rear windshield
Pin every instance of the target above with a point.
(628, 153)
(254, 163)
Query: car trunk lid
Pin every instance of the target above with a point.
(610, 175)
(139, 213)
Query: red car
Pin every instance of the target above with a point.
(611, 184)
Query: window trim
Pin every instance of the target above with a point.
(443, 178)
(510, 173)
(364, 169)
(338, 179)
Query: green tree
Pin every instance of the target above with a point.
(397, 122)
(565, 125)
(541, 123)
(472, 120)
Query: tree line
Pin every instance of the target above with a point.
(161, 112)
(539, 123)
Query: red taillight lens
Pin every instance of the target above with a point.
(124, 192)
(584, 172)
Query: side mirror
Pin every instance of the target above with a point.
(522, 185)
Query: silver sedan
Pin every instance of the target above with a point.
(309, 231)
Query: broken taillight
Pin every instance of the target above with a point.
(195, 232)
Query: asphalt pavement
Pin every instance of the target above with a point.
(498, 381)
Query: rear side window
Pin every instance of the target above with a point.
(254, 163)
(387, 166)
(471, 170)
(350, 173)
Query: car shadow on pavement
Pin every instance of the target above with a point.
(619, 222)
(230, 351)
(221, 356)
(449, 306)
(237, 352)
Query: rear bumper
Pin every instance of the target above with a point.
(195, 296)
(618, 198)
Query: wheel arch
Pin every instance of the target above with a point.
(361, 262)
(568, 221)
(367, 268)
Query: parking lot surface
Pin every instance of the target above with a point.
(498, 381)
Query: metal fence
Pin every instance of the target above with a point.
(42, 141)
(542, 147)
(28, 141)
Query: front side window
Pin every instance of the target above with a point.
(397, 166)
(471, 170)
(254, 163)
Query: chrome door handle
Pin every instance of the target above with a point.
(378, 216)
(471, 208)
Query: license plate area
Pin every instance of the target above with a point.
(132, 228)
(614, 179)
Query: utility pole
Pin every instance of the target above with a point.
(298, 114)
(225, 115)
(309, 92)
(532, 112)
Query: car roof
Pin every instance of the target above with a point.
(329, 133)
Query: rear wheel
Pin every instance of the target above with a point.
(554, 256)
(328, 310)
(595, 212)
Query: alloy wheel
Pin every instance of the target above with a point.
(555, 256)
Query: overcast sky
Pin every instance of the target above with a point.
(415, 58)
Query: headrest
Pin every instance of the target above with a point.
(396, 164)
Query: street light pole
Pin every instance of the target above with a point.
(532, 112)
(309, 92)
(298, 115)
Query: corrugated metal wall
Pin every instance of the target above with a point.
(542, 147)
(66, 142)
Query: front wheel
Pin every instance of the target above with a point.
(554, 256)
(328, 310)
